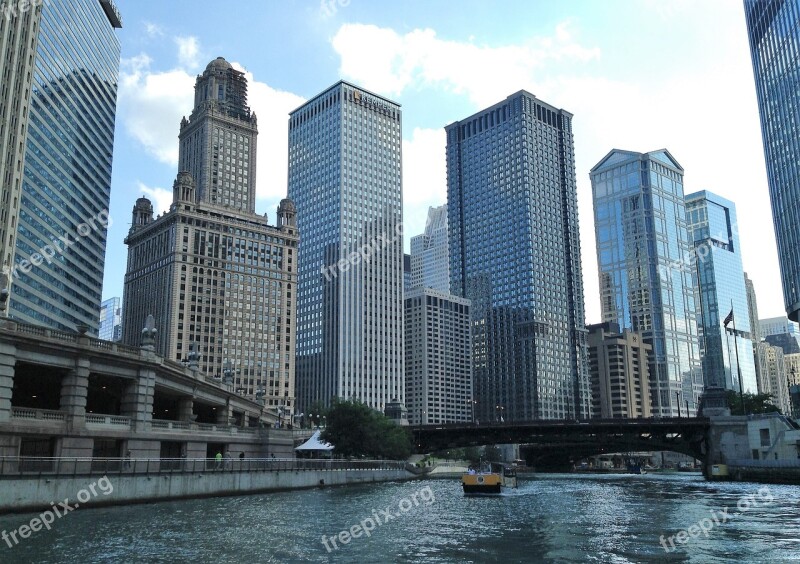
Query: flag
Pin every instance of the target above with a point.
(728, 319)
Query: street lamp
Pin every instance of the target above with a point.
(500, 409)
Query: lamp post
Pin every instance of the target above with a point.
(678, 397)
(500, 409)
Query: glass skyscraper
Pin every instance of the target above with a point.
(57, 277)
(111, 320)
(719, 280)
(773, 27)
(515, 252)
(345, 179)
(430, 254)
(642, 251)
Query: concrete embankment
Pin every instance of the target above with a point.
(38, 493)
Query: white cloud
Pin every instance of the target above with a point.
(153, 30)
(419, 59)
(161, 197)
(188, 52)
(151, 105)
(424, 177)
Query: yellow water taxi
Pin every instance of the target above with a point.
(489, 480)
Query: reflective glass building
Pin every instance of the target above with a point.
(111, 320)
(430, 253)
(644, 263)
(515, 252)
(345, 179)
(773, 27)
(67, 179)
(719, 280)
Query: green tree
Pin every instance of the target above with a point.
(355, 429)
(753, 403)
(316, 412)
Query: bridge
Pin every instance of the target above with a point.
(556, 442)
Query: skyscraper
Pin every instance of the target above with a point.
(430, 254)
(219, 280)
(438, 357)
(111, 320)
(345, 178)
(726, 353)
(515, 253)
(773, 28)
(56, 254)
(755, 335)
(644, 262)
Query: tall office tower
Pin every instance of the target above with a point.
(438, 358)
(773, 28)
(718, 278)
(60, 104)
(430, 254)
(111, 320)
(515, 253)
(406, 273)
(755, 332)
(345, 177)
(219, 280)
(619, 371)
(773, 361)
(643, 256)
(779, 326)
(752, 310)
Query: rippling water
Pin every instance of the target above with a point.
(552, 518)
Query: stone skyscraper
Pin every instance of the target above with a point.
(644, 260)
(515, 253)
(57, 110)
(219, 280)
(345, 178)
(773, 27)
(719, 280)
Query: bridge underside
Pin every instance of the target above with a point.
(564, 441)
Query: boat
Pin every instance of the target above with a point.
(489, 479)
(636, 468)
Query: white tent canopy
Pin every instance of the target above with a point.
(314, 443)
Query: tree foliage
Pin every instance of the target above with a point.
(753, 403)
(355, 429)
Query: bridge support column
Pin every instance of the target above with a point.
(185, 409)
(137, 401)
(8, 354)
(74, 388)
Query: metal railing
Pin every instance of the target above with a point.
(25, 466)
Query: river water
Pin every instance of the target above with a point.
(550, 518)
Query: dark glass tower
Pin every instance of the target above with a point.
(67, 180)
(773, 27)
(515, 252)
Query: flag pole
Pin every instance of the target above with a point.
(738, 367)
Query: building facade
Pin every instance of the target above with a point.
(773, 28)
(219, 280)
(515, 253)
(345, 178)
(779, 326)
(774, 375)
(430, 254)
(111, 320)
(644, 263)
(755, 332)
(438, 358)
(619, 371)
(726, 351)
(61, 104)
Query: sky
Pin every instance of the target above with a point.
(638, 75)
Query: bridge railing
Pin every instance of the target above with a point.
(15, 466)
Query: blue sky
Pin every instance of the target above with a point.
(638, 75)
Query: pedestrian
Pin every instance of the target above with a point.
(228, 459)
(241, 455)
(127, 463)
(218, 459)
